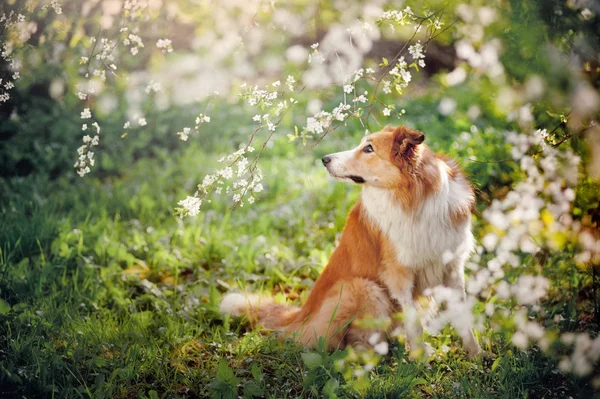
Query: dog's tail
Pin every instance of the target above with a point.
(259, 310)
(329, 315)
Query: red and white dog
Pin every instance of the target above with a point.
(410, 230)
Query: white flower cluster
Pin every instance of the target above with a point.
(590, 248)
(184, 134)
(585, 355)
(153, 87)
(106, 56)
(165, 45)
(8, 21)
(200, 119)
(456, 311)
(416, 51)
(316, 55)
(191, 205)
(537, 208)
(261, 98)
(323, 120)
(400, 77)
(264, 98)
(55, 5)
(485, 60)
(397, 17)
(134, 42)
(535, 213)
(102, 58)
(528, 331)
(290, 81)
(86, 155)
(241, 179)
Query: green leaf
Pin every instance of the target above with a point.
(152, 394)
(221, 390)
(417, 381)
(496, 363)
(330, 387)
(312, 360)
(339, 355)
(256, 372)
(4, 307)
(99, 380)
(225, 373)
(225, 385)
(252, 390)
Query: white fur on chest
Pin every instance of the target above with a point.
(426, 237)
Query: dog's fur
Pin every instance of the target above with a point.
(410, 230)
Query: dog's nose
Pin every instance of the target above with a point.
(326, 159)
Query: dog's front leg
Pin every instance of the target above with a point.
(455, 278)
(400, 282)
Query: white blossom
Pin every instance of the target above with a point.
(191, 205)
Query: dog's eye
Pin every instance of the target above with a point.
(368, 148)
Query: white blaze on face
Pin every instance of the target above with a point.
(338, 166)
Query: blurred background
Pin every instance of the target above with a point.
(106, 292)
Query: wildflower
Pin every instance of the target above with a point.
(183, 135)
(153, 86)
(164, 45)
(227, 173)
(361, 99)
(191, 205)
(56, 6)
(290, 82)
(86, 114)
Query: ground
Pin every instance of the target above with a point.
(108, 294)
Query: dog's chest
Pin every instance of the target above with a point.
(426, 238)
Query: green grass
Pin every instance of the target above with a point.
(104, 293)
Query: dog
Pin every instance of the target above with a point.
(409, 231)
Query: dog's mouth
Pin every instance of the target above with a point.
(356, 179)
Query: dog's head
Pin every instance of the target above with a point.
(382, 159)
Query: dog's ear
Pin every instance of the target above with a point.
(405, 144)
